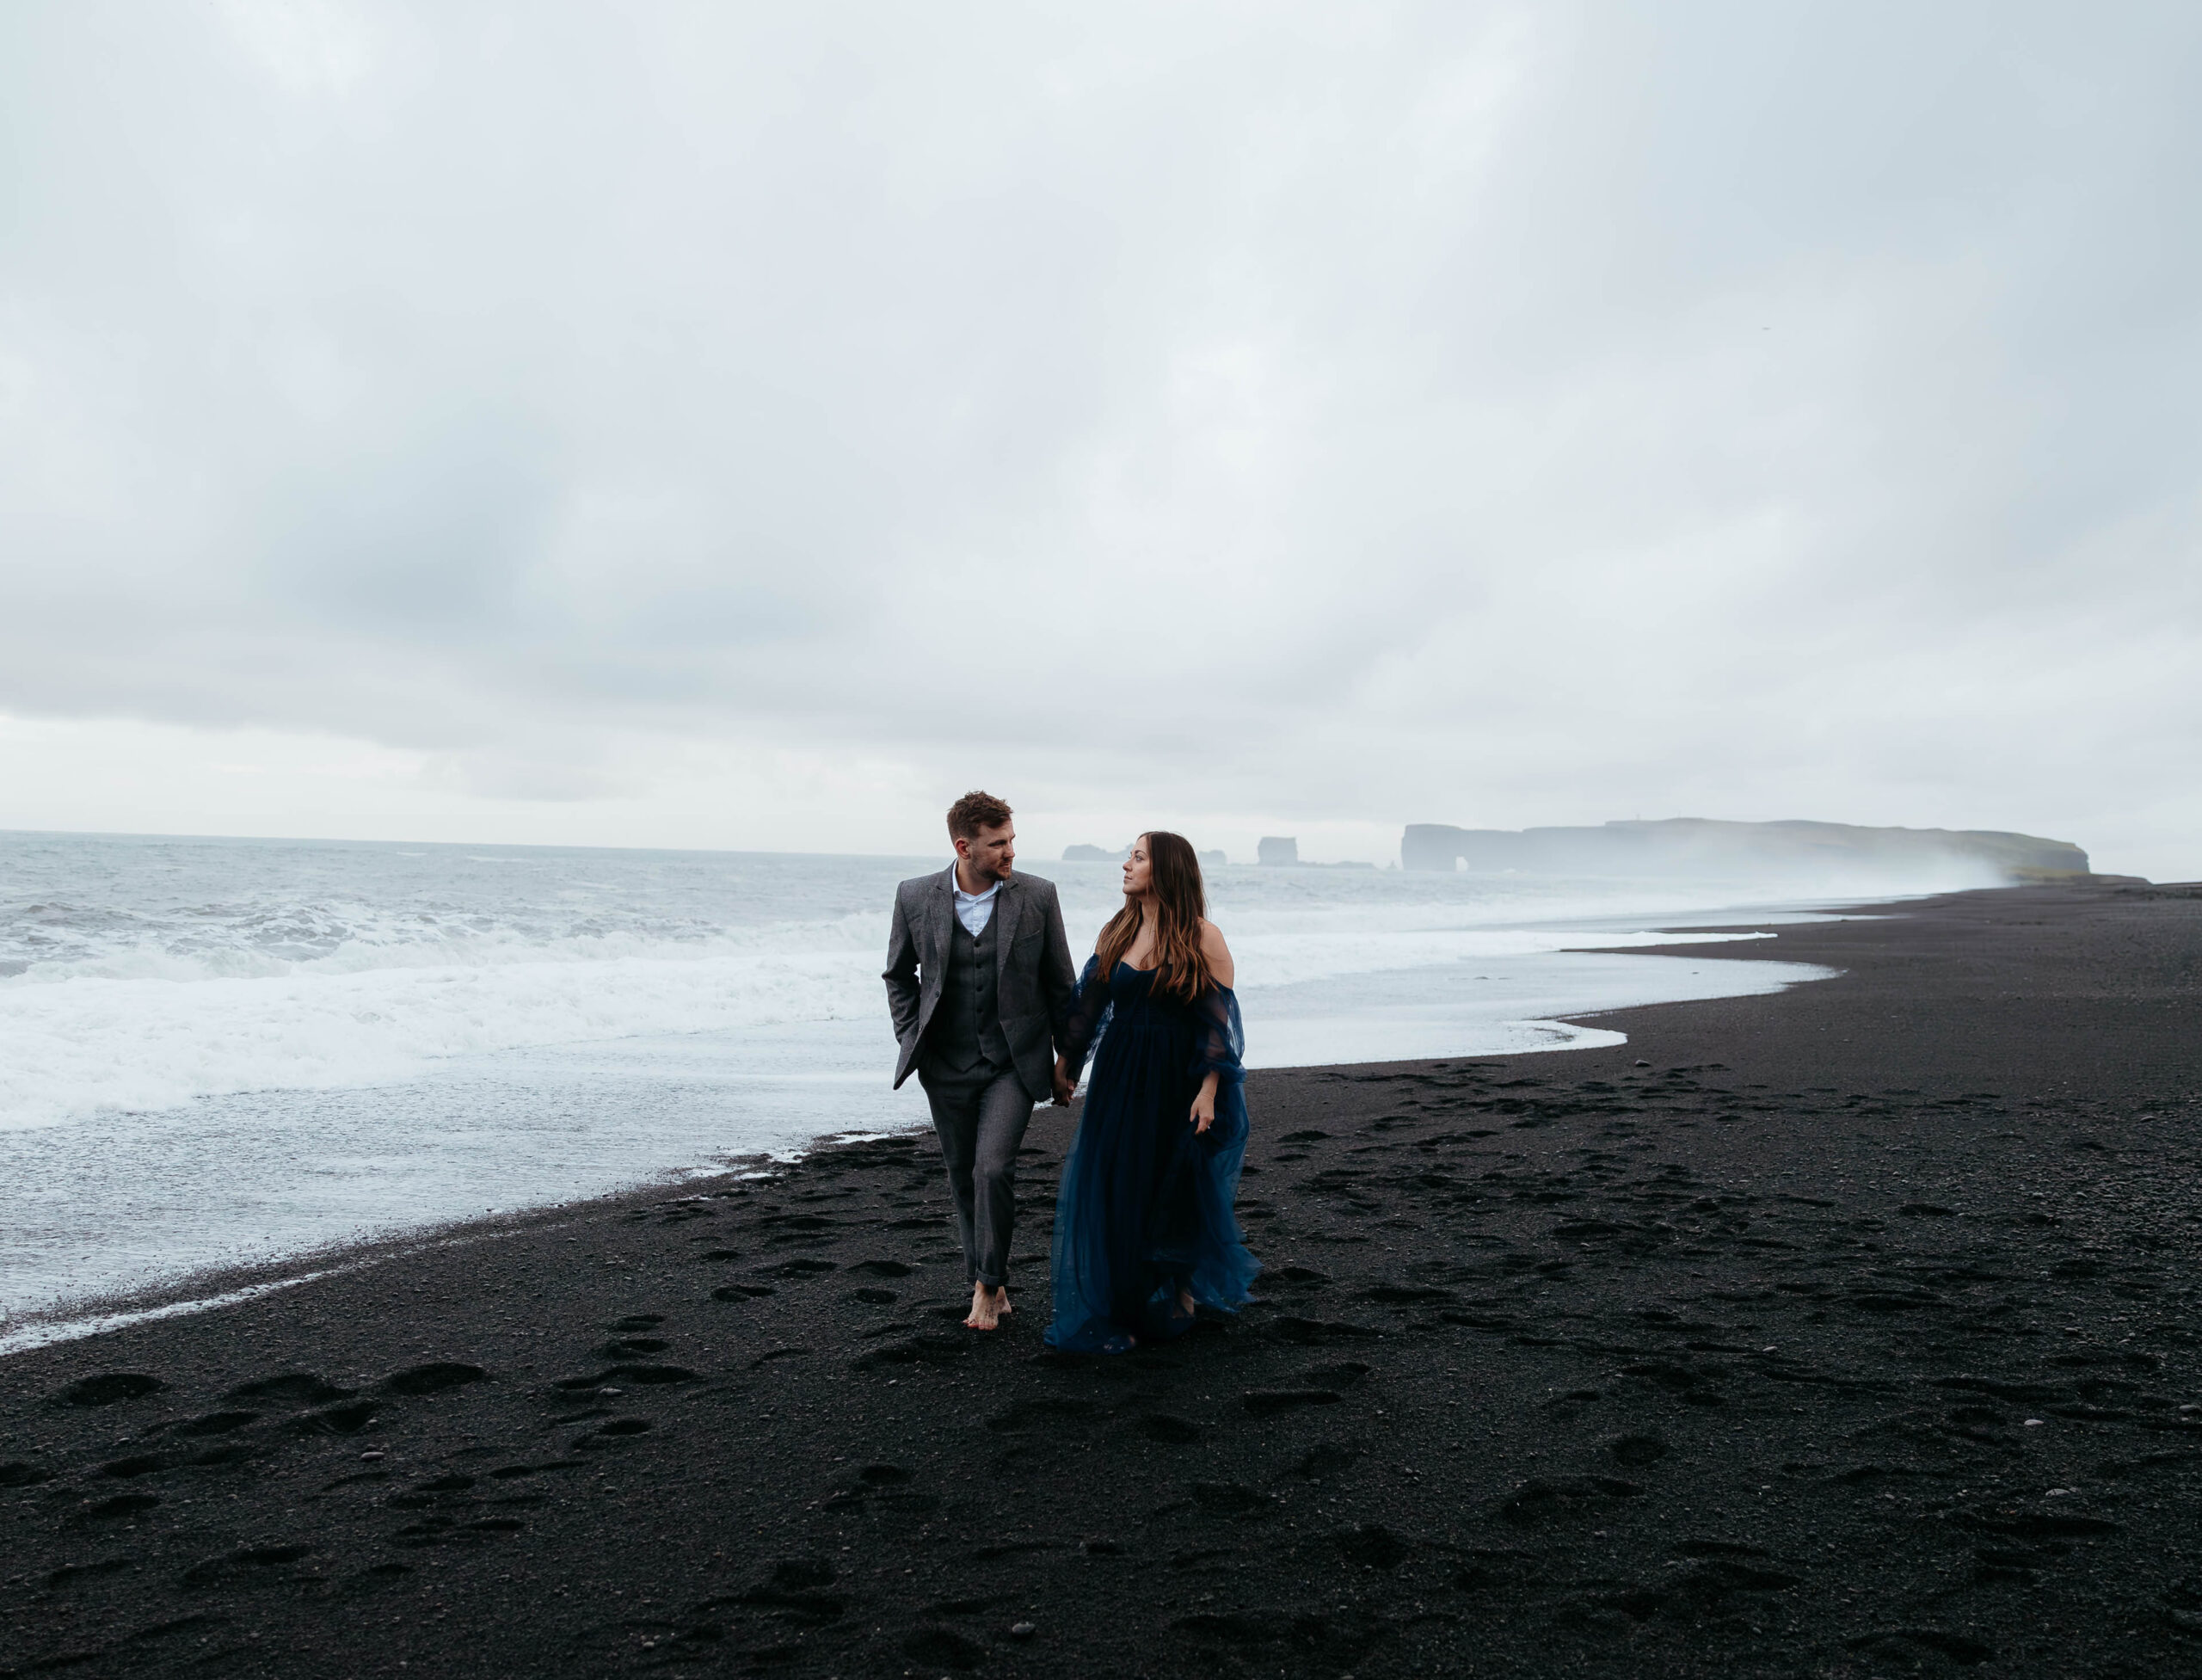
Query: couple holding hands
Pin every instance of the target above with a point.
(982, 988)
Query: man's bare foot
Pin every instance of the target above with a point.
(987, 1306)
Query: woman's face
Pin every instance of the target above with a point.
(1139, 870)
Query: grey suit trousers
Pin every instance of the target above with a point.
(980, 1115)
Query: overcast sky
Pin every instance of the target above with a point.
(707, 425)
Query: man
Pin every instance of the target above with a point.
(980, 983)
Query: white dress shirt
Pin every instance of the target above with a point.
(974, 910)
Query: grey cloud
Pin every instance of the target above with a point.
(1498, 414)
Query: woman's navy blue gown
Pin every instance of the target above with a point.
(1144, 1209)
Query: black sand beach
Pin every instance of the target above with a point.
(1849, 1332)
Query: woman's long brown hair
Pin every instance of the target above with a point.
(1180, 900)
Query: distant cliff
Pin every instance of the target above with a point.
(1101, 854)
(1692, 846)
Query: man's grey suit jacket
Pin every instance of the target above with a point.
(1035, 980)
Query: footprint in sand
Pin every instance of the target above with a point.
(242, 1566)
(346, 1419)
(1371, 1546)
(1172, 1431)
(69, 1574)
(215, 1423)
(644, 1376)
(611, 1432)
(1270, 1402)
(1344, 1374)
(108, 1388)
(1042, 1413)
(628, 1346)
(944, 1647)
(1398, 1294)
(1540, 1500)
(417, 1381)
(121, 1505)
(291, 1388)
(1328, 1458)
(921, 1350)
(1317, 1333)
(1231, 1499)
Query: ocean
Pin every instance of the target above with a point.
(224, 1052)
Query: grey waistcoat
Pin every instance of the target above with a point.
(967, 1024)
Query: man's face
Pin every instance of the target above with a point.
(992, 853)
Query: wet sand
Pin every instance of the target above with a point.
(1847, 1332)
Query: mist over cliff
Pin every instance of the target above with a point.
(1818, 854)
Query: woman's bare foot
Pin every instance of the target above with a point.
(1185, 1302)
(987, 1305)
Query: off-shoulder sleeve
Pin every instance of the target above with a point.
(1089, 1016)
(1220, 1042)
(1223, 1271)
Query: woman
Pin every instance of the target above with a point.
(1144, 1230)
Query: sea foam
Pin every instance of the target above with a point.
(142, 975)
(217, 1052)
(75, 1045)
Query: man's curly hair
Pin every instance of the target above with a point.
(975, 811)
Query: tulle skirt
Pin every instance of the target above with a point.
(1144, 1213)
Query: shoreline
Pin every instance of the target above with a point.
(91, 1307)
(212, 1288)
(1841, 1331)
